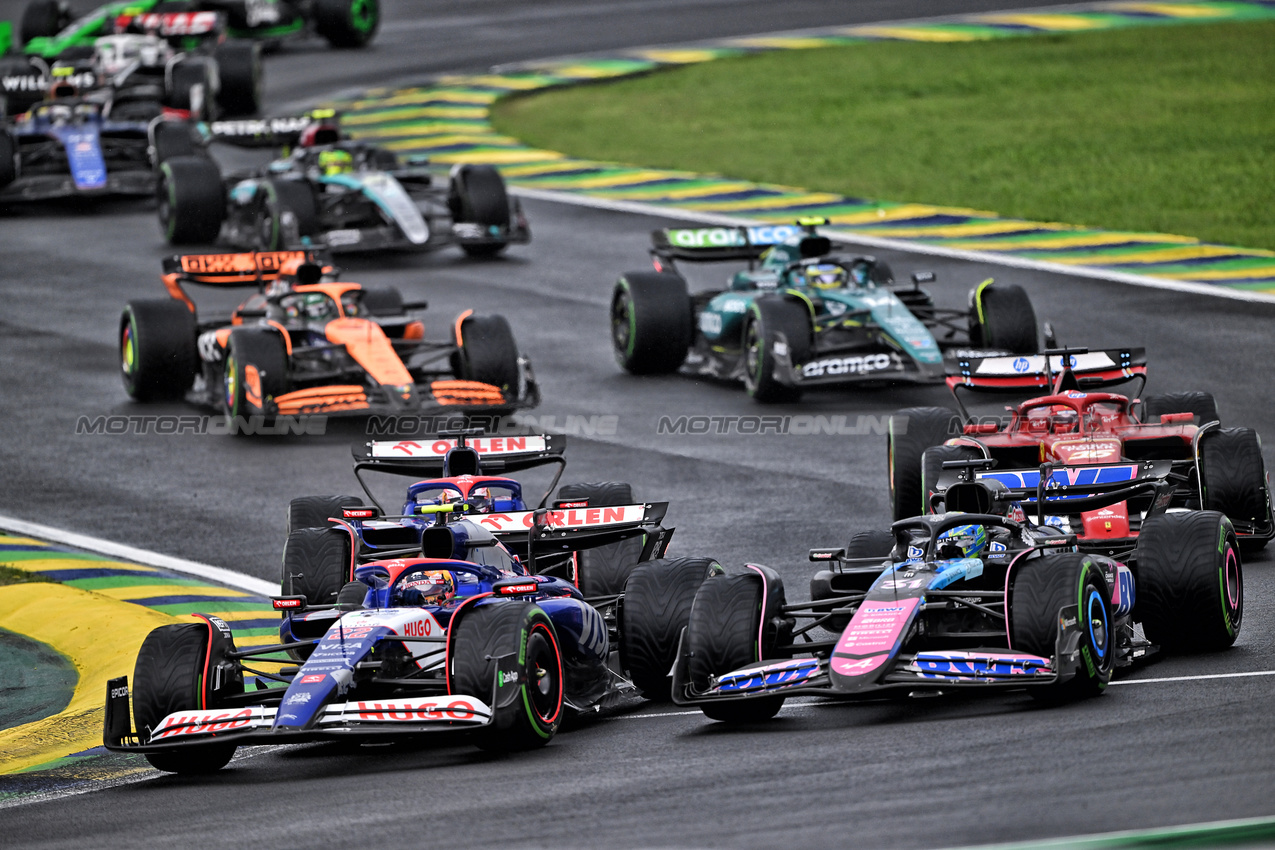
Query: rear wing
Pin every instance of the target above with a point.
(427, 457)
(175, 25)
(230, 271)
(714, 244)
(1054, 371)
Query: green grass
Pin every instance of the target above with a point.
(12, 575)
(1168, 129)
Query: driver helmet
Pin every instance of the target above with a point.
(825, 276)
(480, 499)
(1064, 420)
(963, 541)
(310, 305)
(335, 162)
(425, 587)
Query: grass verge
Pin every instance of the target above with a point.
(1166, 129)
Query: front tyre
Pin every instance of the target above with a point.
(315, 511)
(158, 355)
(169, 677)
(256, 372)
(490, 631)
(1190, 585)
(774, 326)
(192, 200)
(1040, 591)
(477, 195)
(657, 606)
(651, 322)
(347, 23)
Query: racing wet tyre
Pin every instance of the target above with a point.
(256, 371)
(1234, 476)
(490, 630)
(768, 318)
(158, 357)
(314, 511)
(651, 322)
(168, 677)
(1190, 583)
(911, 431)
(316, 564)
(1001, 316)
(347, 23)
(239, 67)
(173, 139)
(477, 195)
(723, 636)
(488, 352)
(192, 201)
(657, 606)
(1201, 404)
(351, 596)
(1041, 588)
(932, 467)
(603, 570)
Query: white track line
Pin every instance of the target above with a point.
(1199, 678)
(220, 575)
(905, 245)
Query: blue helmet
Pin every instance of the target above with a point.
(963, 541)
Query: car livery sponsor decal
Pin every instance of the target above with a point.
(437, 448)
(1028, 479)
(859, 364)
(780, 675)
(1035, 364)
(84, 156)
(585, 517)
(731, 237)
(1087, 451)
(872, 635)
(441, 709)
(210, 722)
(979, 666)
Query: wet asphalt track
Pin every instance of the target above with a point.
(925, 773)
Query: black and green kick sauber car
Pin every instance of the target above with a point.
(801, 316)
(49, 28)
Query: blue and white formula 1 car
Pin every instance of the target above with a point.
(464, 635)
(977, 597)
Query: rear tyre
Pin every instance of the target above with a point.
(256, 372)
(41, 19)
(1190, 582)
(289, 210)
(347, 23)
(723, 636)
(192, 200)
(477, 195)
(1001, 316)
(488, 352)
(186, 78)
(827, 584)
(911, 431)
(351, 596)
(657, 606)
(314, 511)
(239, 67)
(158, 355)
(1041, 588)
(651, 322)
(383, 301)
(603, 570)
(173, 139)
(316, 564)
(932, 467)
(1201, 404)
(8, 156)
(168, 677)
(1234, 476)
(768, 320)
(494, 629)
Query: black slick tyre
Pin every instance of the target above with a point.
(314, 511)
(1202, 405)
(773, 321)
(657, 606)
(158, 356)
(256, 370)
(8, 152)
(911, 431)
(488, 631)
(316, 564)
(239, 67)
(173, 139)
(602, 570)
(723, 636)
(1190, 583)
(347, 23)
(477, 195)
(488, 352)
(289, 208)
(167, 678)
(40, 19)
(192, 200)
(651, 322)
(1001, 316)
(932, 467)
(1041, 588)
